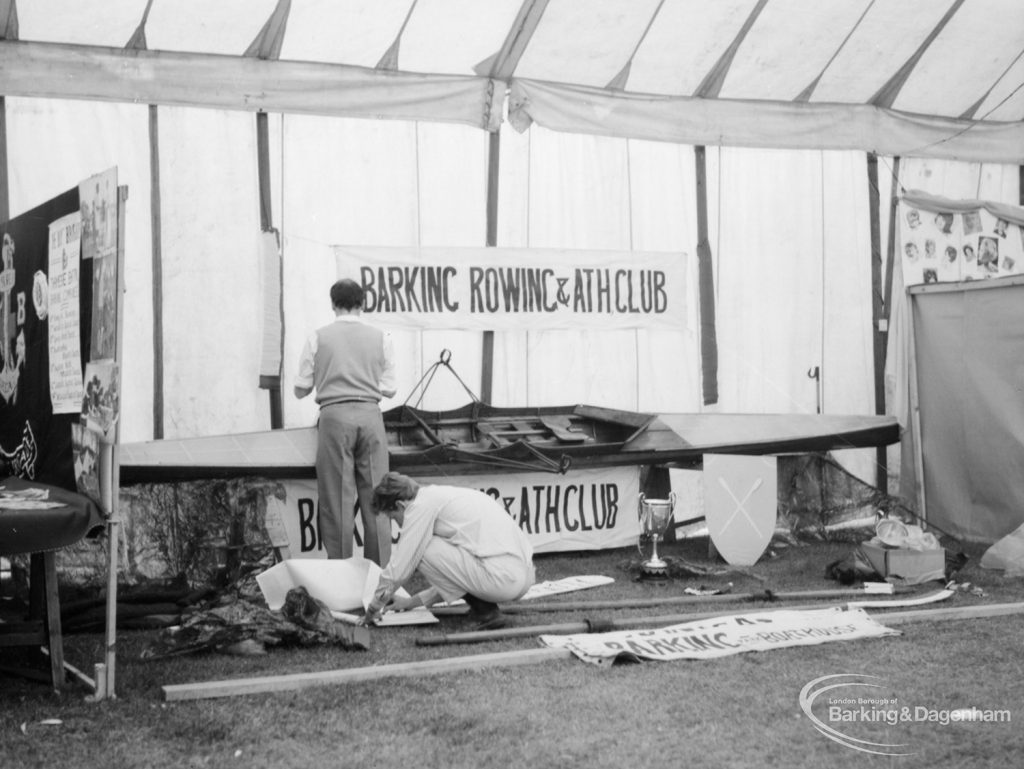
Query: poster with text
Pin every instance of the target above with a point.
(63, 308)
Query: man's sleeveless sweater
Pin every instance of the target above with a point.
(348, 363)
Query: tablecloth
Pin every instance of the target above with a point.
(27, 526)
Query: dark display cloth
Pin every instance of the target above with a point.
(37, 529)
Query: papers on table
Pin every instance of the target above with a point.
(26, 499)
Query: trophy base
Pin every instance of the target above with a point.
(653, 571)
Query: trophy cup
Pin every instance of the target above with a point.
(655, 515)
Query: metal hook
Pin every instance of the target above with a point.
(814, 372)
(428, 376)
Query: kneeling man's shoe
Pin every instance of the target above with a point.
(492, 621)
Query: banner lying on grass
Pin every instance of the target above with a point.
(723, 636)
(518, 288)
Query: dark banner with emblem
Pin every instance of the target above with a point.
(36, 443)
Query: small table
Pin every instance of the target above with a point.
(26, 526)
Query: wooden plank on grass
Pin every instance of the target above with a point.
(229, 688)
(958, 612)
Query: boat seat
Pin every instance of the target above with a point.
(487, 430)
(561, 428)
(555, 425)
(513, 432)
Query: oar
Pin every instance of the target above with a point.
(569, 628)
(768, 596)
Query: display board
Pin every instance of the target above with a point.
(944, 240)
(59, 384)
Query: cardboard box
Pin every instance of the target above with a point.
(911, 566)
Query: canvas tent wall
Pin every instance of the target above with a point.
(969, 348)
(789, 226)
(956, 344)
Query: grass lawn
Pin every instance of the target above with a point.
(738, 711)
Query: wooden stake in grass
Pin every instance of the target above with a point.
(211, 689)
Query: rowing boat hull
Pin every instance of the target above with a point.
(641, 439)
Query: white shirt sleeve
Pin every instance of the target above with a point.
(417, 530)
(304, 378)
(387, 385)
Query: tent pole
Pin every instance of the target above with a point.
(890, 258)
(106, 689)
(493, 162)
(263, 170)
(915, 412)
(5, 200)
(877, 311)
(110, 479)
(271, 383)
(706, 279)
(158, 272)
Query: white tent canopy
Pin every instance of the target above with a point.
(898, 77)
(596, 105)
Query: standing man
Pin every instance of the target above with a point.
(351, 366)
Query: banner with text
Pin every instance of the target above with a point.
(518, 288)
(723, 636)
(581, 510)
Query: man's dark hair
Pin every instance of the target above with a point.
(347, 294)
(393, 487)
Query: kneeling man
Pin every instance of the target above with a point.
(463, 543)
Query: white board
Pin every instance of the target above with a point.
(741, 505)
